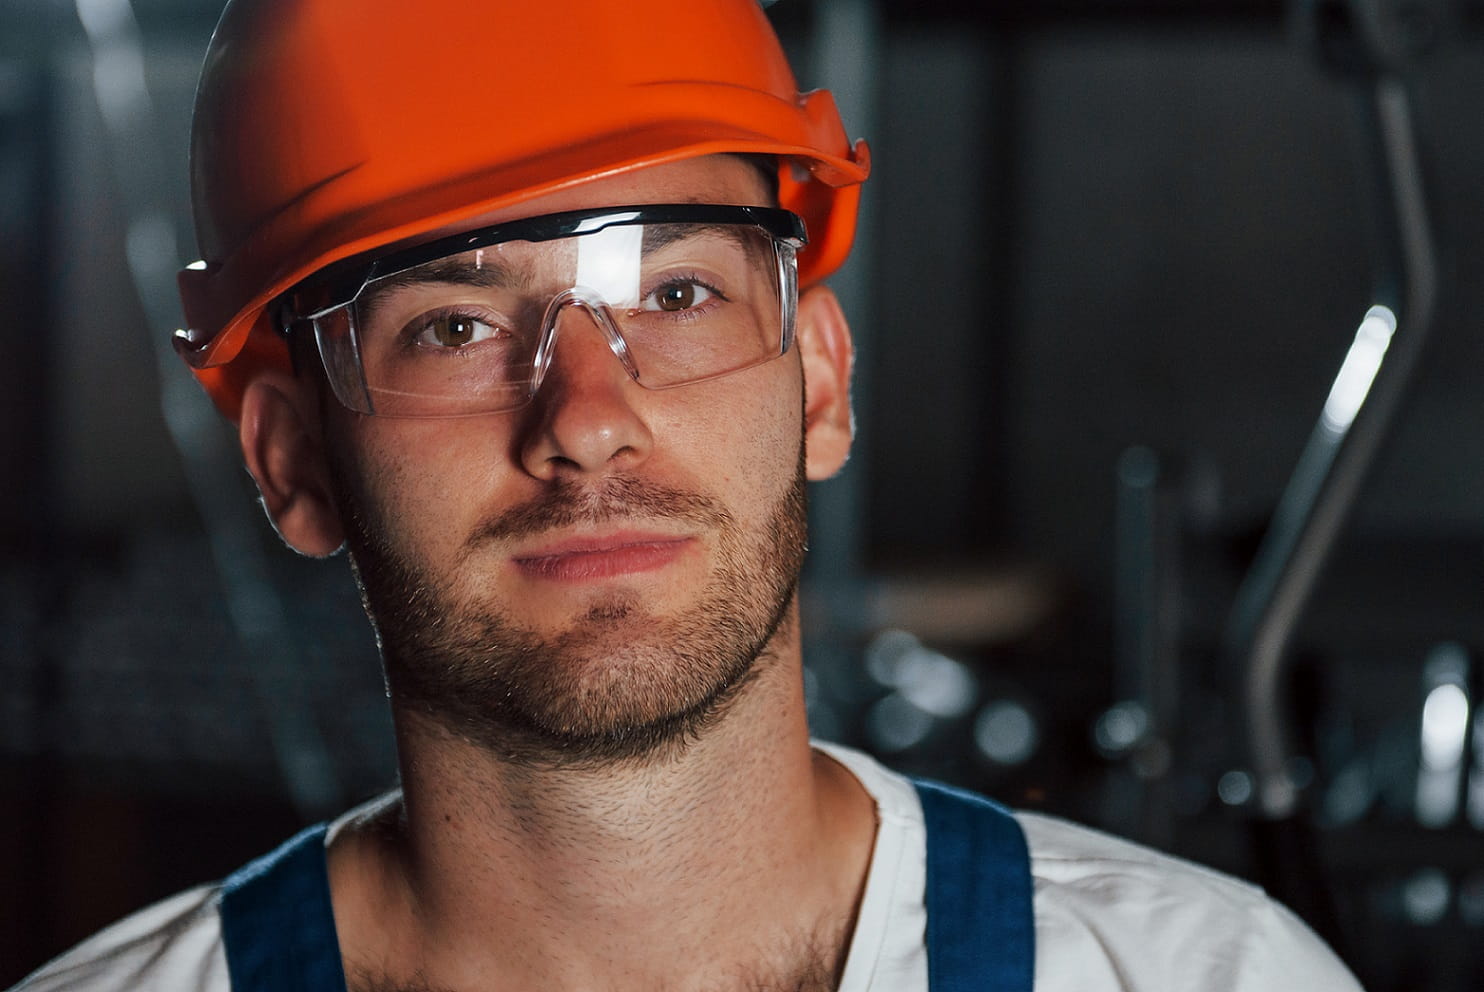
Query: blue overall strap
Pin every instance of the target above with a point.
(277, 923)
(981, 929)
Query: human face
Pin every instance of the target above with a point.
(596, 576)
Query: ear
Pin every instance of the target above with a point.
(282, 445)
(828, 355)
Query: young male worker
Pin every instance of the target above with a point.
(502, 295)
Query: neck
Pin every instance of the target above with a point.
(741, 853)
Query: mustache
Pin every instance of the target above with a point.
(618, 498)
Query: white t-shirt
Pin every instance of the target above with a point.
(1110, 915)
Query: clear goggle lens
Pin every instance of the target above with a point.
(681, 293)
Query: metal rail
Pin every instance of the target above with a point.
(1365, 397)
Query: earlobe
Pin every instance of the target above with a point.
(282, 447)
(828, 356)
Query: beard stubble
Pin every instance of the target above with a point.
(619, 684)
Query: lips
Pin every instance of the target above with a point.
(601, 557)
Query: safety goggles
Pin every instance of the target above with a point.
(469, 324)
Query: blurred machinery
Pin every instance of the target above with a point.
(1361, 833)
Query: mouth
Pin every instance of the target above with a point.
(604, 556)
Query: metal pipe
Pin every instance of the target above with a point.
(1339, 453)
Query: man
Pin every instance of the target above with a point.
(503, 298)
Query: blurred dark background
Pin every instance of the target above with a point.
(1112, 257)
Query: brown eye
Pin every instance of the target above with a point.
(454, 331)
(677, 296)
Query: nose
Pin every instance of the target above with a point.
(583, 417)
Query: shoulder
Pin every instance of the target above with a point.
(1111, 913)
(174, 945)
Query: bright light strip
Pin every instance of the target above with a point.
(118, 60)
(1362, 362)
(608, 263)
(1445, 721)
(1443, 736)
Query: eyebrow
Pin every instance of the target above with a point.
(657, 236)
(453, 271)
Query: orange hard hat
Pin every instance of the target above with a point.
(324, 129)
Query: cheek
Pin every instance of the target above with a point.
(745, 438)
(421, 484)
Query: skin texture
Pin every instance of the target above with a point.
(607, 782)
(619, 683)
